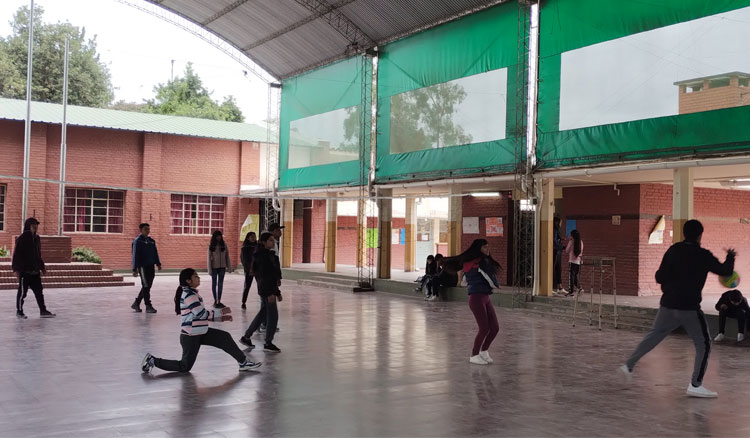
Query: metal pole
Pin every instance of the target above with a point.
(64, 140)
(27, 133)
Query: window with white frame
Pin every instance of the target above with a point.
(2, 207)
(93, 211)
(193, 214)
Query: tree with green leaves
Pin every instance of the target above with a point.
(186, 96)
(89, 81)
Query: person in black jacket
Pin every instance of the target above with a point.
(733, 305)
(557, 250)
(267, 270)
(145, 256)
(28, 265)
(682, 275)
(249, 246)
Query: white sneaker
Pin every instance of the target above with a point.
(700, 391)
(478, 360)
(486, 356)
(740, 337)
(719, 337)
(626, 372)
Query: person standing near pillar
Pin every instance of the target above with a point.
(682, 275)
(557, 250)
(218, 264)
(28, 266)
(574, 250)
(249, 246)
(145, 257)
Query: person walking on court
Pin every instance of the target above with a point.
(218, 264)
(480, 271)
(195, 331)
(249, 246)
(28, 266)
(682, 275)
(145, 257)
(275, 230)
(268, 272)
(574, 250)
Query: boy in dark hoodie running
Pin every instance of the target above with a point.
(28, 266)
(682, 275)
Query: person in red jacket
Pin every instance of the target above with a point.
(28, 265)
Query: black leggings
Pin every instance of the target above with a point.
(192, 344)
(248, 282)
(575, 270)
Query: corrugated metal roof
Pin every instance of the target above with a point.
(288, 37)
(15, 109)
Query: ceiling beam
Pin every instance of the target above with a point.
(358, 39)
(223, 12)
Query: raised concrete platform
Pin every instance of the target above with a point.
(371, 364)
(67, 275)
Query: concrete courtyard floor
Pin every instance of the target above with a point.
(351, 365)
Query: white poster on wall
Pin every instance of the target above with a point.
(396, 236)
(471, 225)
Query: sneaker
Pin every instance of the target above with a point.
(427, 297)
(486, 356)
(271, 348)
(244, 306)
(740, 337)
(47, 314)
(150, 309)
(219, 306)
(477, 360)
(247, 342)
(135, 306)
(247, 365)
(700, 391)
(147, 363)
(627, 372)
(719, 337)
(21, 315)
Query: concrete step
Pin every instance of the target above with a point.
(6, 266)
(67, 278)
(336, 280)
(67, 284)
(352, 287)
(66, 272)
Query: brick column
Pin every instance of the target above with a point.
(331, 229)
(546, 217)
(385, 217)
(682, 201)
(287, 239)
(410, 248)
(361, 257)
(455, 216)
(37, 190)
(151, 179)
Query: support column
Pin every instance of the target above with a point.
(682, 201)
(287, 239)
(410, 250)
(385, 216)
(331, 230)
(361, 233)
(546, 217)
(455, 217)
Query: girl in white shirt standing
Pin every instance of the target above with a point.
(574, 249)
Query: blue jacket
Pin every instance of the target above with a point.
(144, 252)
(476, 281)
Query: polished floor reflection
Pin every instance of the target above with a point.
(351, 365)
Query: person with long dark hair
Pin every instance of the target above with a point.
(267, 269)
(574, 249)
(194, 330)
(557, 250)
(480, 271)
(218, 264)
(249, 246)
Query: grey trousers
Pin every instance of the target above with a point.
(667, 320)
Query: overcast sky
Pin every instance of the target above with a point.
(139, 48)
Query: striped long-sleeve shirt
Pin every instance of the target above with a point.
(195, 317)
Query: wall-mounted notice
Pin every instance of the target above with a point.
(471, 225)
(494, 226)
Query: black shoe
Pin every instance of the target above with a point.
(219, 306)
(247, 342)
(271, 348)
(150, 309)
(136, 306)
(244, 306)
(21, 315)
(46, 314)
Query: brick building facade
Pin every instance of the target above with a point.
(107, 220)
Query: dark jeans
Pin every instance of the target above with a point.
(33, 281)
(248, 282)
(556, 269)
(484, 313)
(575, 270)
(192, 344)
(147, 274)
(217, 282)
(737, 314)
(268, 315)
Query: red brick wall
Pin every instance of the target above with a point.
(484, 208)
(130, 159)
